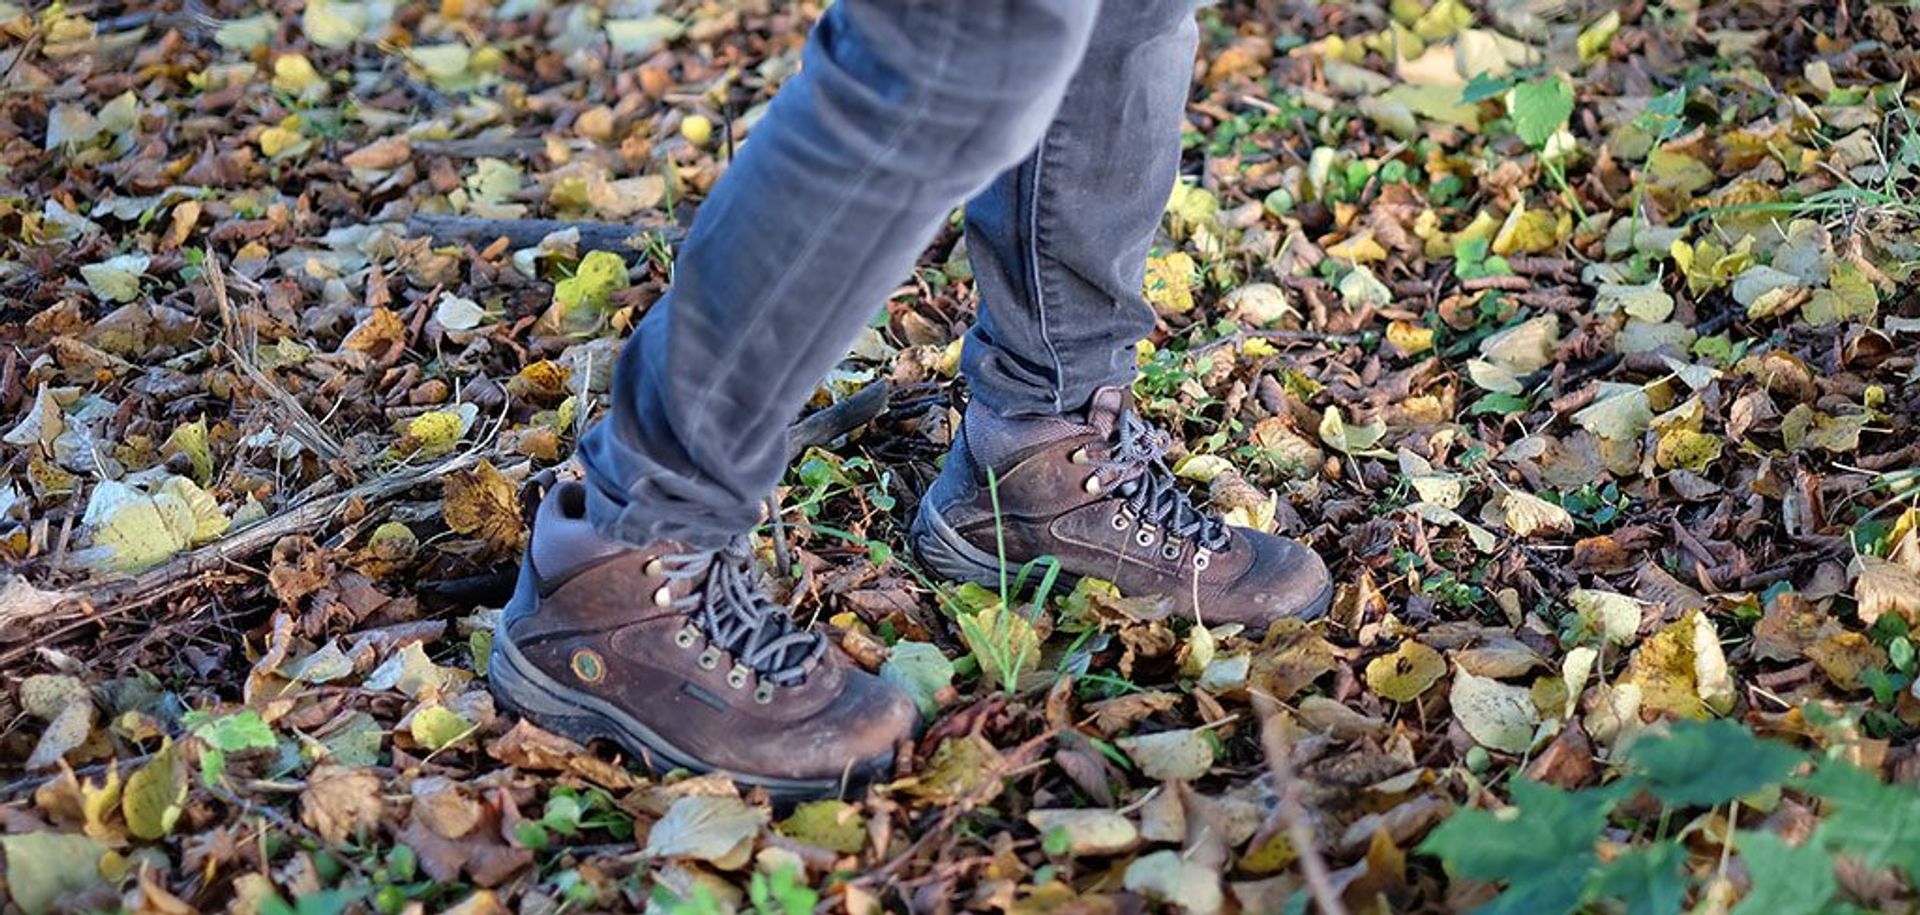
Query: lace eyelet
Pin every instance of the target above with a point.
(685, 637)
(737, 677)
(1080, 456)
(1092, 486)
(1144, 536)
(1119, 521)
(1170, 551)
(663, 597)
(655, 568)
(763, 693)
(1201, 560)
(710, 658)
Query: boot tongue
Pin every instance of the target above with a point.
(1106, 408)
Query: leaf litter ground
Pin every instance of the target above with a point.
(1581, 345)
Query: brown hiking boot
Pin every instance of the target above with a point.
(1093, 493)
(679, 657)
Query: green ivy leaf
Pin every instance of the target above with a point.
(1540, 108)
(1787, 879)
(1543, 846)
(1701, 763)
(1876, 823)
(1649, 880)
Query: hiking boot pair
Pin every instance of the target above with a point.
(678, 656)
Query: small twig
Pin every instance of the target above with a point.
(1293, 813)
(1284, 336)
(620, 238)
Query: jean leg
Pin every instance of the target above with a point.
(903, 108)
(1059, 242)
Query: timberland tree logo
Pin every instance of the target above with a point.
(588, 666)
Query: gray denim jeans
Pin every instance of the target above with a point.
(1057, 121)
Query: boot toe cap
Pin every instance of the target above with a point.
(857, 735)
(1286, 580)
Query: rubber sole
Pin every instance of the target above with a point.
(523, 689)
(942, 550)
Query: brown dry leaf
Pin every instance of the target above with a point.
(1121, 713)
(528, 747)
(1884, 587)
(1843, 656)
(1290, 658)
(482, 503)
(342, 804)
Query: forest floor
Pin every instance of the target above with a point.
(1579, 339)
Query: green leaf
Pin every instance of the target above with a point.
(834, 825)
(1878, 824)
(1787, 879)
(1543, 846)
(1701, 763)
(1500, 403)
(1540, 108)
(921, 669)
(437, 727)
(1649, 880)
(43, 866)
(240, 731)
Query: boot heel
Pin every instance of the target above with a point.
(943, 551)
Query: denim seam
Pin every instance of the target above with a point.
(821, 231)
(1034, 246)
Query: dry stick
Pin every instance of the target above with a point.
(1284, 336)
(620, 238)
(1292, 812)
(123, 596)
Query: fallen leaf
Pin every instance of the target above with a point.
(711, 828)
(1181, 754)
(1409, 671)
(1088, 832)
(1497, 715)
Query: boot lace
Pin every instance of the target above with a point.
(731, 608)
(1150, 490)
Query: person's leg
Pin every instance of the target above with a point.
(1050, 459)
(1059, 243)
(902, 109)
(639, 615)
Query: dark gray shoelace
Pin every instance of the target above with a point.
(1151, 490)
(732, 609)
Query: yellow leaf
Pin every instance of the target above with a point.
(697, 129)
(1409, 671)
(830, 824)
(1681, 670)
(1496, 715)
(1411, 338)
(433, 434)
(1356, 440)
(1360, 249)
(276, 141)
(155, 795)
(436, 727)
(1531, 232)
(294, 74)
(333, 24)
(1685, 449)
(1615, 616)
(1169, 284)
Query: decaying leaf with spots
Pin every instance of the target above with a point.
(483, 504)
